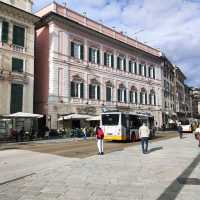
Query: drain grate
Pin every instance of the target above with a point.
(189, 181)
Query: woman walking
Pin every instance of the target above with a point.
(99, 136)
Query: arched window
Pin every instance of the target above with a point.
(77, 87)
(133, 95)
(109, 89)
(94, 90)
(152, 98)
(143, 96)
(121, 93)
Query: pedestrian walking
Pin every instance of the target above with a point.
(180, 130)
(99, 137)
(85, 133)
(144, 133)
(22, 134)
(197, 134)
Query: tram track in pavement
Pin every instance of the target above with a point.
(84, 148)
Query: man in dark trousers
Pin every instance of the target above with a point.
(180, 130)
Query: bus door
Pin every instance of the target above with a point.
(125, 126)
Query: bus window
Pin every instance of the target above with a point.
(124, 120)
(110, 119)
(134, 121)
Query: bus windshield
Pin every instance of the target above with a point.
(110, 119)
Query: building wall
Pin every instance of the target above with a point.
(63, 67)
(22, 4)
(8, 51)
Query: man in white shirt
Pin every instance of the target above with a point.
(144, 133)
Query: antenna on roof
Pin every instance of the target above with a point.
(65, 3)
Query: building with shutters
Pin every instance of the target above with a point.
(16, 56)
(85, 67)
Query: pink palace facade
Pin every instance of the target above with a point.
(82, 67)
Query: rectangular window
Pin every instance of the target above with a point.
(121, 63)
(108, 93)
(17, 65)
(5, 30)
(77, 50)
(109, 59)
(77, 89)
(94, 92)
(18, 35)
(16, 98)
(121, 95)
(94, 55)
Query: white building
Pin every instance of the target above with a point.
(16, 56)
(83, 66)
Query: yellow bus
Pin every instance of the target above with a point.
(124, 126)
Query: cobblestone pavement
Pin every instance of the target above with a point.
(171, 170)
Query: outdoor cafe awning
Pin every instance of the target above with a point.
(74, 116)
(23, 115)
(94, 118)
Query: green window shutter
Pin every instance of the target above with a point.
(5, 30)
(146, 98)
(18, 35)
(98, 92)
(118, 63)
(82, 52)
(149, 72)
(72, 89)
(72, 49)
(136, 98)
(16, 103)
(118, 94)
(131, 97)
(90, 54)
(125, 99)
(141, 98)
(105, 60)
(112, 61)
(145, 70)
(82, 90)
(140, 69)
(124, 60)
(130, 68)
(90, 91)
(154, 76)
(150, 99)
(17, 65)
(135, 66)
(108, 94)
(98, 57)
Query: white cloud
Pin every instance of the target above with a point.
(171, 25)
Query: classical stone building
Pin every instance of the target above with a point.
(180, 94)
(83, 67)
(169, 93)
(16, 56)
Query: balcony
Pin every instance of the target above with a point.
(18, 48)
(19, 77)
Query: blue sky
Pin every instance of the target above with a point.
(173, 26)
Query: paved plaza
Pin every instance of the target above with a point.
(171, 170)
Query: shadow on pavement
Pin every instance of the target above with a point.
(155, 149)
(175, 187)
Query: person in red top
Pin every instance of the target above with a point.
(99, 137)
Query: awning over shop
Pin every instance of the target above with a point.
(23, 115)
(74, 116)
(94, 118)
